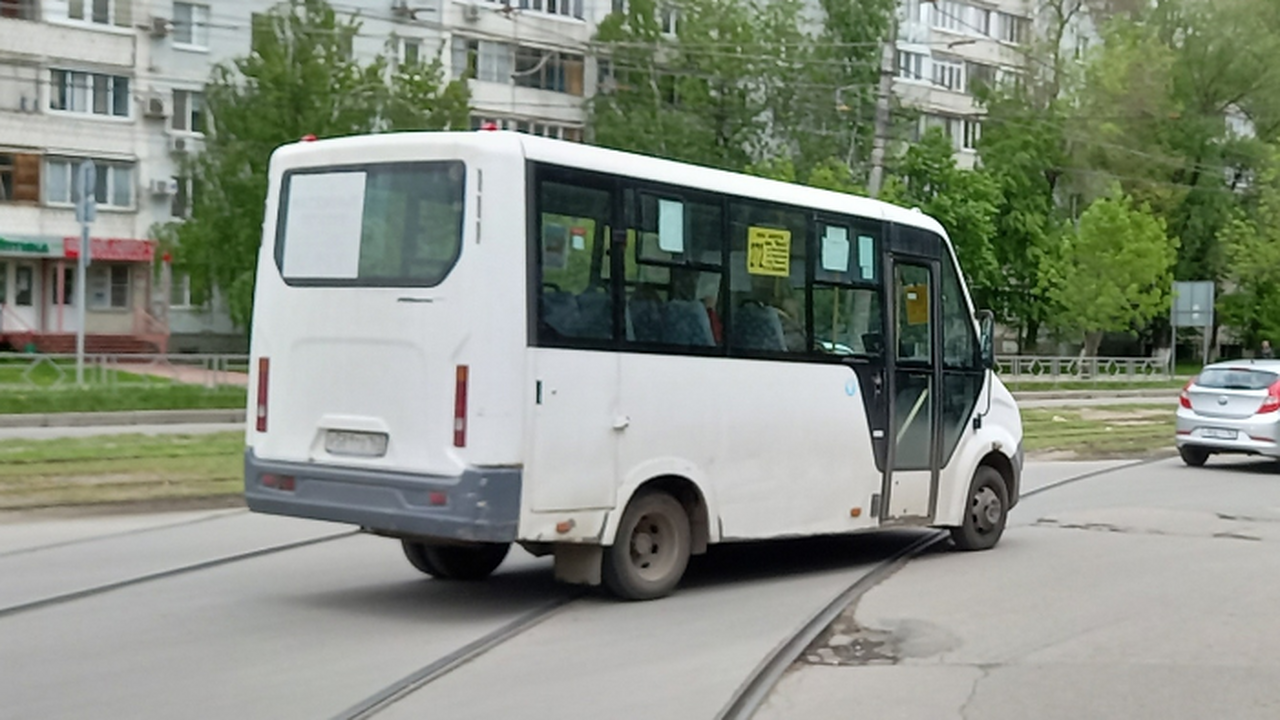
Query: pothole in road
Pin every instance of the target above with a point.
(845, 642)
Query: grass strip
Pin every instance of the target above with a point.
(1103, 432)
(119, 468)
(167, 396)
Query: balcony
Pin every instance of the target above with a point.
(87, 44)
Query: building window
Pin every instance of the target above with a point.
(98, 12)
(113, 184)
(980, 75)
(410, 51)
(483, 60)
(188, 111)
(89, 93)
(972, 133)
(548, 70)
(180, 291)
(1013, 28)
(948, 15)
(24, 279)
(109, 286)
(910, 65)
(981, 21)
(20, 9)
(567, 8)
(19, 177)
(948, 74)
(68, 295)
(181, 204)
(191, 25)
(531, 127)
(669, 19)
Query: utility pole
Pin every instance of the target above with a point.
(884, 91)
(86, 213)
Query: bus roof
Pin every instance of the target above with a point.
(616, 162)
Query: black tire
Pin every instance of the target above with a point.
(985, 514)
(456, 562)
(651, 551)
(1193, 456)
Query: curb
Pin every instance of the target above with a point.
(1161, 394)
(137, 417)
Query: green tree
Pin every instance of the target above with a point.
(299, 79)
(740, 82)
(1117, 272)
(964, 201)
(1251, 241)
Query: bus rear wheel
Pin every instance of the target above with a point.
(985, 512)
(456, 562)
(651, 551)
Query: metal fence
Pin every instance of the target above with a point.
(23, 370)
(33, 371)
(1027, 368)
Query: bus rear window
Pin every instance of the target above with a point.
(396, 224)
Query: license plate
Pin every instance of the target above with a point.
(1216, 434)
(358, 444)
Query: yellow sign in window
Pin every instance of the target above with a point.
(769, 251)
(917, 304)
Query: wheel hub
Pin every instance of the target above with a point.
(987, 510)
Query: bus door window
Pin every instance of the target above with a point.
(962, 371)
(575, 300)
(767, 279)
(913, 401)
(674, 272)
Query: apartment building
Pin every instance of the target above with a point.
(119, 82)
(945, 48)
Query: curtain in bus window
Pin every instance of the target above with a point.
(573, 239)
(394, 224)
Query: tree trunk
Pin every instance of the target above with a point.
(1091, 342)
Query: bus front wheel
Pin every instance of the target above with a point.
(985, 512)
(456, 562)
(651, 551)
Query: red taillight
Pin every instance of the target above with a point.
(1184, 399)
(460, 408)
(437, 499)
(1272, 403)
(264, 371)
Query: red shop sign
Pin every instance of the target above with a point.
(115, 249)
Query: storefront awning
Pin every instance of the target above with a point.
(112, 249)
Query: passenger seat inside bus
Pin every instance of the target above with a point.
(757, 327)
(685, 322)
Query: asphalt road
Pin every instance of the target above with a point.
(1146, 592)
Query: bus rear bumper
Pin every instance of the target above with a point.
(480, 505)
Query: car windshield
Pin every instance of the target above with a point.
(1236, 379)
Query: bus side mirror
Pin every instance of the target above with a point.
(987, 338)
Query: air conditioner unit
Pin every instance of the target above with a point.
(471, 13)
(157, 106)
(160, 27)
(180, 145)
(164, 186)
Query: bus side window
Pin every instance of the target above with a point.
(847, 316)
(673, 271)
(767, 279)
(574, 300)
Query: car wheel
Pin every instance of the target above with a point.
(1194, 456)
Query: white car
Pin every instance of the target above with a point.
(1231, 407)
